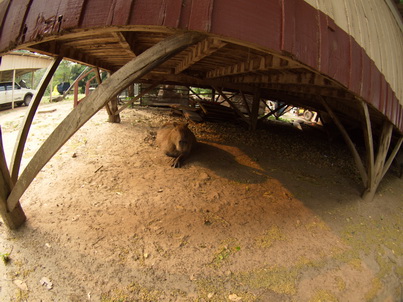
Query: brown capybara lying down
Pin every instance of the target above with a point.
(176, 140)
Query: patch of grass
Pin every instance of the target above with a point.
(323, 295)
(372, 236)
(223, 254)
(133, 292)
(10, 126)
(5, 258)
(376, 286)
(269, 237)
(281, 280)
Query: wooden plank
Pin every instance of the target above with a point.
(252, 65)
(29, 116)
(198, 52)
(307, 78)
(122, 78)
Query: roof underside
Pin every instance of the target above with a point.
(288, 66)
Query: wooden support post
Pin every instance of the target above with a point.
(255, 110)
(245, 103)
(133, 70)
(75, 104)
(369, 144)
(29, 116)
(15, 218)
(392, 156)
(115, 116)
(99, 81)
(350, 144)
(75, 81)
(380, 160)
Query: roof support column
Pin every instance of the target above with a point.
(15, 218)
(382, 163)
(376, 164)
(114, 116)
(135, 69)
(255, 110)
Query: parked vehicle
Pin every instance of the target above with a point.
(21, 95)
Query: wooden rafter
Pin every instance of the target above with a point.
(124, 44)
(198, 52)
(312, 79)
(72, 53)
(309, 90)
(253, 65)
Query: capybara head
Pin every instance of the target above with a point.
(182, 137)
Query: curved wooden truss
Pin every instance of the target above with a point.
(13, 186)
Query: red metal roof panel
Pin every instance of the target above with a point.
(335, 59)
(301, 32)
(355, 67)
(236, 21)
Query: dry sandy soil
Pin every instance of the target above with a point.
(268, 216)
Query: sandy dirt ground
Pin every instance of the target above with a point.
(273, 215)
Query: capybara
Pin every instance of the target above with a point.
(176, 140)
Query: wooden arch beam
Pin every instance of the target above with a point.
(29, 116)
(133, 70)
